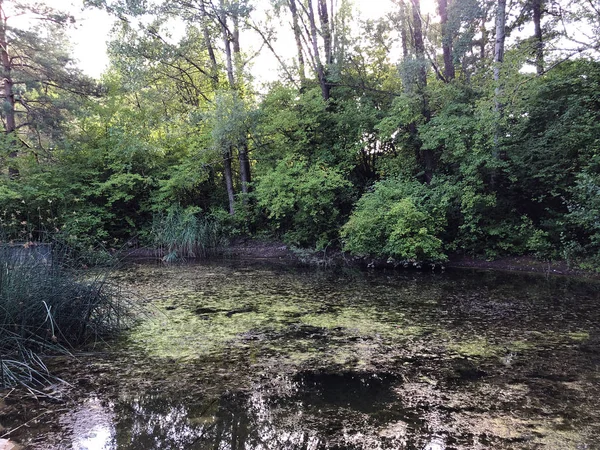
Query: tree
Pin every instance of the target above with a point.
(38, 76)
(449, 71)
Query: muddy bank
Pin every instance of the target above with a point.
(256, 249)
(278, 252)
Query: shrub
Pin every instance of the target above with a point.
(303, 200)
(397, 219)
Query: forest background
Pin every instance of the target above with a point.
(460, 127)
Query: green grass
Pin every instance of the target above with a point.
(182, 233)
(51, 305)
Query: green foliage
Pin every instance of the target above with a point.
(229, 121)
(185, 233)
(439, 167)
(400, 219)
(48, 305)
(303, 200)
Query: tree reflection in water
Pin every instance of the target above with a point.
(311, 411)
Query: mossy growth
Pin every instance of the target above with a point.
(478, 347)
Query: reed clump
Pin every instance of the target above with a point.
(49, 304)
(180, 234)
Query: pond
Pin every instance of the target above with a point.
(239, 355)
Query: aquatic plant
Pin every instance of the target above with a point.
(184, 233)
(49, 304)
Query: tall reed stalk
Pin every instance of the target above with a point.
(48, 304)
(182, 233)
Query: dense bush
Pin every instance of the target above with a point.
(400, 219)
(303, 201)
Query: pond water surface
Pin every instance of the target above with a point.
(238, 355)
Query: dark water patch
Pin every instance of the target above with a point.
(365, 392)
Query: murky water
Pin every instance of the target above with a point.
(244, 356)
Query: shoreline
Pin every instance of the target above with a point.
(271, 250)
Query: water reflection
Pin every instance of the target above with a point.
(436, 443)
(310, 411)
(373, 361)
(92, 425)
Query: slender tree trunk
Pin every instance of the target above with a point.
(228, 175)
(404, 39)
(500, 39)
(498, 91)
(483, 31)
(298, 38)
(325, 31)
(8, 94)
(419, 43)
(245, 174)
(449, 71)
(539, 43)
(315, 44)
(237, 52)
(234, 70)
(227, 171)
(227, 44)
(209, 46)
(245, 177)
(427, 155)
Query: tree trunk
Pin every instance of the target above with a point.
(483, 31)
(298, 37)
(315, 44)
(227, 44)
(325, 31)
(538, 38)
(404, 37)
(242, 149)
(8, 94)
(419, 43)
(237, 53)
(449, 71)
(498, 91)
(228, 174)
(427, 156)
(245, 174)
(500, 39)
(209, 47)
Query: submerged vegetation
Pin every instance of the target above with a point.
(48, 304)
(350, 359)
